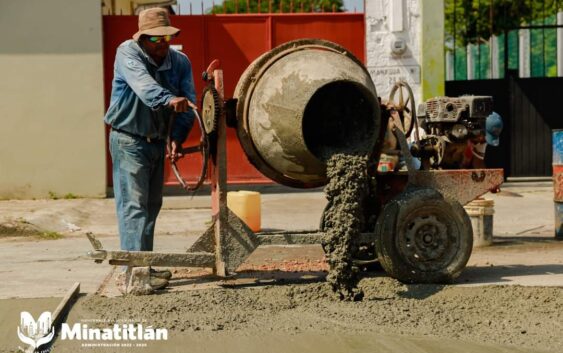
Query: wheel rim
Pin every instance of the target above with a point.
(428, 241)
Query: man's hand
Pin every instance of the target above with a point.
(180, 104)
(175, 151)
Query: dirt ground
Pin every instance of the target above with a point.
(508, 299)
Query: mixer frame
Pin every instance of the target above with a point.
(228, 241)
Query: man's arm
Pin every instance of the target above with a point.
(134, 71)
(184, 121)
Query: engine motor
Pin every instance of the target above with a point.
(448, 123)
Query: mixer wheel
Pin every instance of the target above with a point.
(423, 238)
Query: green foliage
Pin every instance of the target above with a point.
(475, 21)
(68, 196)
(22, 220)
(240, 6)
(472, 21)
(50, 235)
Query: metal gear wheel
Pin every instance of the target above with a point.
(211, 108)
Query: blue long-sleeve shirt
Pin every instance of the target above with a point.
(141, 91)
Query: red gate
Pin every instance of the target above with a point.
(236, 40)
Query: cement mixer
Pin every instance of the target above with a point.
(293, 108)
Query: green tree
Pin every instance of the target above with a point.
(472, 21)
(475, 21)
(243, 6)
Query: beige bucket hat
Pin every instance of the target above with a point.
(155, 22)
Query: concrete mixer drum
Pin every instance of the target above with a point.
(302, 102)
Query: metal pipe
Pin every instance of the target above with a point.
(455, 32)
(470, 64)
(478, 40)
(524, 53)
(560, 44)
(495, 70)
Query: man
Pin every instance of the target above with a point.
(151, 83)
(476, 148)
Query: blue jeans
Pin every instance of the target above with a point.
(138, 175)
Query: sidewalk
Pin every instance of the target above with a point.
(524, 251)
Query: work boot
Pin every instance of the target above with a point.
(122, 280)
(164, 274)
(158, 283)
(140, 281)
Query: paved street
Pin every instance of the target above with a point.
(524, 251)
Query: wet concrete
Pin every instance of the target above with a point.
(260, 342)
(344, 220)
(10, 310)
(497, 318)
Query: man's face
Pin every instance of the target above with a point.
(479, 139)
(156, 46)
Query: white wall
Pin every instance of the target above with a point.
(419, 25)
(51, 92)
(384, 66)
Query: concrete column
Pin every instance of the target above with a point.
(421, 64)
(560, 45)
(393, 44)
(470, 62)
(524, 53)
(494, 71)
(432, 51)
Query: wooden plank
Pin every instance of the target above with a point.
(304, 238)
(60, 311)
(65, 304)
(150, 258)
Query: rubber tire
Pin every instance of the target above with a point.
(395, 216)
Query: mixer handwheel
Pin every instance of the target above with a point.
(405, 107)
(201, 148)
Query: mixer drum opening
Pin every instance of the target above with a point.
(339, 118)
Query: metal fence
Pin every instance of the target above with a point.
(235, 7)
(258, 6)
(487, 38)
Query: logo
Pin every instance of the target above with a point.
(36, 333)
(120, 333)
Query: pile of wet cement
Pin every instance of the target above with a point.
(525, 316)
(344, 219)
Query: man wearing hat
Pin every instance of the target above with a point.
(151, 83)
(475, 152)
